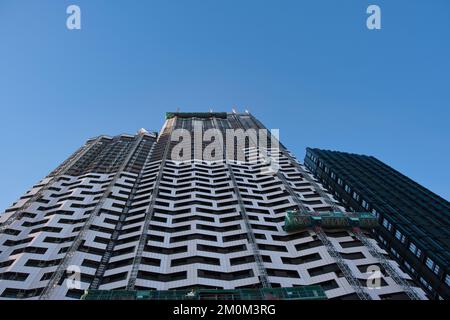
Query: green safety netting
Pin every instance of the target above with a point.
(296, 293)
(299, 220)
(205, 115)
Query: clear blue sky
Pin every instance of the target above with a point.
(310, 68)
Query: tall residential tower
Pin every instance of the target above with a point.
(122, 214)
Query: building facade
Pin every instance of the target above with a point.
(415, 222)
(123, 214)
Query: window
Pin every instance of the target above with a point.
(429, 263)
(395, 253)
(383, 241)
(347, 188)
(415, 250)
(400, 236)
(436, 269)
(418, 253)
(327, 169)
(375, 212)
(447, 280)
(340, 181)
(426, 284)
(355, 196)
(387, 225)
(333, 175)
(432, 266)
(365, 204)
(408, 267)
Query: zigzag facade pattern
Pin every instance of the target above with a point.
(170, 225)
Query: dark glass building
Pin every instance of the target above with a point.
(415, 221)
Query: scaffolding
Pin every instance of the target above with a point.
(262, 272)
(201, 115)
(149, 213)
(59, 274)
(352, 280)
(296, 220)
(61, 171)
(296, 293)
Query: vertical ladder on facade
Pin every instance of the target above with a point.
(262, 272)
(325, 196)
(263, 276)
(115, 236)
(387, 266)
(149, 213)
(372, 250)
(351, 279)
(332, 251)
(342, 264)
(362, 237)
(61, 171)
(305, 174)
(65, 262)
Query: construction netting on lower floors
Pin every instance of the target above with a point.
(296, 293)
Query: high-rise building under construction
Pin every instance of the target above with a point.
(122, 214)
